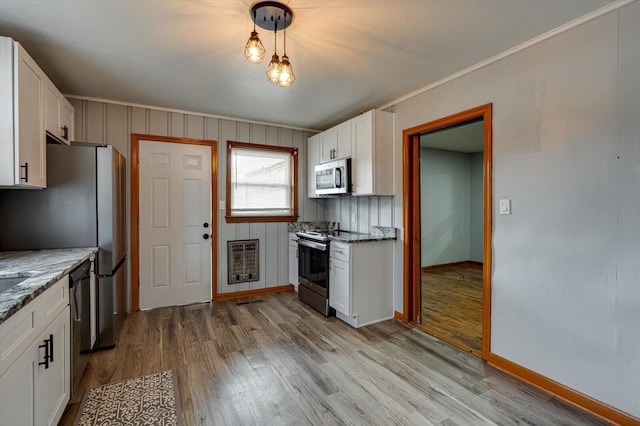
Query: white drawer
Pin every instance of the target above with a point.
(339, 251)
(18, 331)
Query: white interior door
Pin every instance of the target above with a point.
(175, 223)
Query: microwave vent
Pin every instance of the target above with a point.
(243, 261)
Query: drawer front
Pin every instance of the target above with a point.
(19, 331)
(339, 251)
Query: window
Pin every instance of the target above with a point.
(261, 183)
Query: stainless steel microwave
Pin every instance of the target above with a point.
(333, 178)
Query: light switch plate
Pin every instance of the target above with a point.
(222, 205)
(505, 206)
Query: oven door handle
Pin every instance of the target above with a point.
(311, 244)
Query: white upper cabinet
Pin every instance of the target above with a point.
(26, 94)
(59, 114)
(313, 159)
(335, 143)
(372, 153)
(368, 140)
(22, 138)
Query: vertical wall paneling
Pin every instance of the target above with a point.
(95, 118)
(100, 122)
(116, 125)
(363, 214)
(227, 231)
(79, 118)
(374, 211)
(271, 229)
(137, 121)
(176, 125)
(258, 135)
(158, 123)
(195, 126)
(386, 211)
(285, 138)
(298, 142)
(243, 135)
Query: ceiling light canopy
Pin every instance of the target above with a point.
(272, 16)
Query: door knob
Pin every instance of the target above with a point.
(206, 225)
(205, 236)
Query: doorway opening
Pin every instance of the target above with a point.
(447, 219)
(174, 220)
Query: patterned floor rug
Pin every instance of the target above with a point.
(145, 400)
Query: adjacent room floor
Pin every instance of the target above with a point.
(272, 360)
(452, 304)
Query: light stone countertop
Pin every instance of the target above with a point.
(43, 268)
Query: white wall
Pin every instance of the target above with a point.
(444, 206)
(566, 150)
(476, 207)
(104, 122)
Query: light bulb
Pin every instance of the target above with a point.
(286, 77)
(274, 69)
(254, 50)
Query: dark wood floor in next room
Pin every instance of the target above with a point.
(452, 303)
(275, 361)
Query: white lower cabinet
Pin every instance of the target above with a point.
(17, 392)
(361, 281)
(35, 360)
(53, 375)
(340, 289)
(293, 260)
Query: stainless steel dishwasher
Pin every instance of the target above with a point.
(80, 301)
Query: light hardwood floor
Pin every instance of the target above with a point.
(452, 304)
(276, 361)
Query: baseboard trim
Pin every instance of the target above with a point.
(399, 316)
(256, 292)
(574, 397)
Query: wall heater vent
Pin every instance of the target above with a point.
(243, 261)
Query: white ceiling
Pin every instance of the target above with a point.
(348, 55)
(467, 138)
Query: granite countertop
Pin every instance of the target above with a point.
(43, 269)
(378, 233)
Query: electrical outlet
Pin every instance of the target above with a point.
(353, 217)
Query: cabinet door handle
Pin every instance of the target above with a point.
(26, 172)
(51, 348)
(65, 133)
(48, 351)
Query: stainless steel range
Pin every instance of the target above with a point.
(313, 270)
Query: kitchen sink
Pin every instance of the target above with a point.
(7, 283)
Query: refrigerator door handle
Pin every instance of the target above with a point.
(114, 269)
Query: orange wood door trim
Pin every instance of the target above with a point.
(574, 397)
(135, 210)
(411, 214)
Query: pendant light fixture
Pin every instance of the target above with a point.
(286, 77)
(254, 50)
(274, 68)
(274, 16)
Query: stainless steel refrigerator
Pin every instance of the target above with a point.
(82, 206)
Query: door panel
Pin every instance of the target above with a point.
(175, 224)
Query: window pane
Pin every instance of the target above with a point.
(261, 182)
